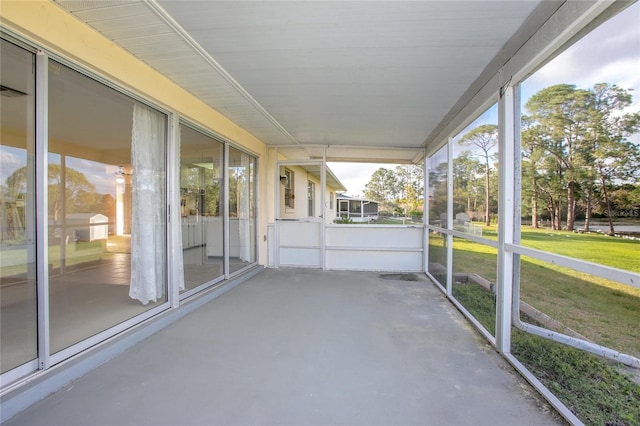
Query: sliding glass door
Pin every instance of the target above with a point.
(242, 220)
(106, 207)
(101, 211)
(201, 208)
(18, 310)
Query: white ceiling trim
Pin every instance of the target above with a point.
(145, 30)
(219, 69)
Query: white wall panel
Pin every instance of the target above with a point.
(383, 236)
(299, 243)
(300, 257)
(299, 234)
(378, 260)
(374, 248)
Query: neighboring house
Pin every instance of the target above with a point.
(357, 209)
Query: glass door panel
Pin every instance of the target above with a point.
(106, 210)
(201, 207)
(18, 307)
(242, 227)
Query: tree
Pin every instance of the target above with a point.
(438, 192)
(409, 186)
(79, 193)
(615, 158)
(403, 186)
(563, 111)
(484, 137)
(626, 200)
(466, 170)
(532, 155)
(382, 186)
(11, 217)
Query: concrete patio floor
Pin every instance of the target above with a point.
(305, 347)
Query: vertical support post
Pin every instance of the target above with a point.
(173, 210)
(276, 209)
(225, 216)
(506, 213)
(517, 202)
(42, 222)
(323, 230)
(425, 214)
(449, 226)
(276, 180)
(257, 212)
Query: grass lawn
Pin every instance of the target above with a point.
(14, 261)
(605, 312)
(597, 248)
(589, 386)
(593, 247)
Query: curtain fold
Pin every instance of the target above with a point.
(147, 221)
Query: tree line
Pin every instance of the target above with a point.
(577, 156)
(578, 161)
(399, 190)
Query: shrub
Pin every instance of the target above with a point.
(343, 220)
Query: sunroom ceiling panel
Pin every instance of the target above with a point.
(370, 73)
(337, 72)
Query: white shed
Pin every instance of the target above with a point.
(89, 226)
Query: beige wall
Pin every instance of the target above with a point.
(301, 205)
(56, 32)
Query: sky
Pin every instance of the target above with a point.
(354, 176)
(610, 53)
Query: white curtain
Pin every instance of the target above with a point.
(148, 206)
(243, 208)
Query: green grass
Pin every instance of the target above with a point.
(472, 257)
(603, 311)
(396, 221)
(616, 252)
(593, 390)
(14, 261)
(479, 302)
(597, 248)
(587, 385)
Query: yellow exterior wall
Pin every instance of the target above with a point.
(301, 200)
(55, 31)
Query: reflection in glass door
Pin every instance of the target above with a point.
(106, 208)
(201, 170)
(242, 227)
(18, 308)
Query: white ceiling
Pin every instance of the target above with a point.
(340, 73)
